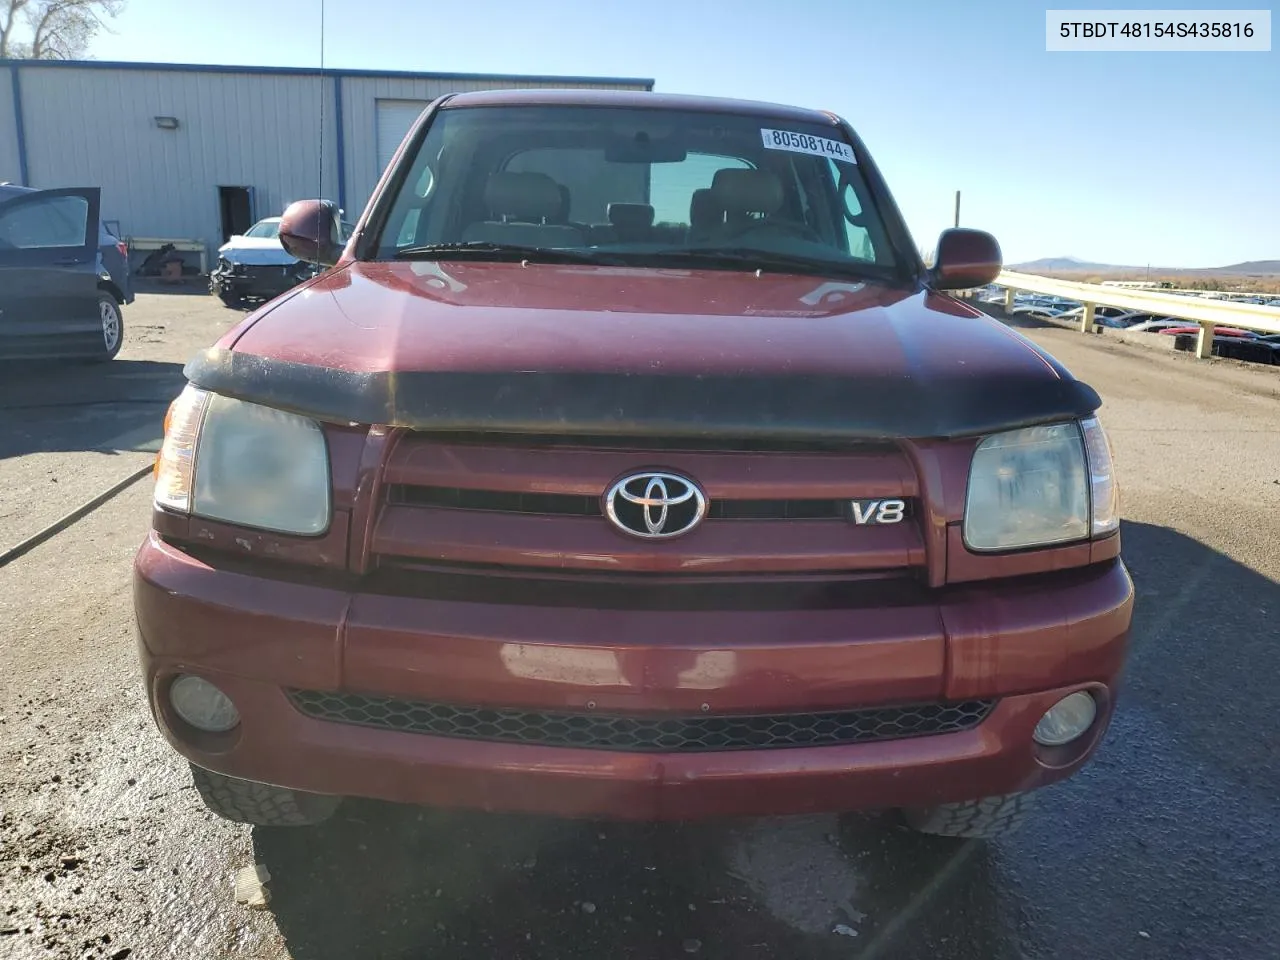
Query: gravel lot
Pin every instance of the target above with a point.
(1168, 845)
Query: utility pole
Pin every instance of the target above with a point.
(957, 208)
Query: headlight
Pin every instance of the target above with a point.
(244, 463)
(1028, 488)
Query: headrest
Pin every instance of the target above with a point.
(747, 191)
(529, 197)
(704, 210)
(631, 216)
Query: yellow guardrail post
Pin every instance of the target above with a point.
(1204, 340)
(1009, 293)
(1086, 318)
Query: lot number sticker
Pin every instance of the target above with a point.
(807, 143)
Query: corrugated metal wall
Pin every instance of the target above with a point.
(95, 126)
(8, 131)
(360, 96)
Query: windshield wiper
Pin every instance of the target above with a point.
(751, 257)
(484, 250)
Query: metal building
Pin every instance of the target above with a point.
(196, 152)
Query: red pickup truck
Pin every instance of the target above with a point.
(628, 462)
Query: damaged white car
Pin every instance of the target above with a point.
(255, 266)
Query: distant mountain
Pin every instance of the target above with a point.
(1263, 268)
(1266, 268)
(1063, 263)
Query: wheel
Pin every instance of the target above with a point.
(112, 327)
(231, 300)
(976, 819)
(244, 801)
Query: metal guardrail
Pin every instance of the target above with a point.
(1208, 314)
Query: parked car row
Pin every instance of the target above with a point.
(1230, 342)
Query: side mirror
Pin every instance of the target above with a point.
(965, 259)
(308, 229)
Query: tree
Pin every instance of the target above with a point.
(52, 29)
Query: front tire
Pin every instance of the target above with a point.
(244, 801)
(981, 819)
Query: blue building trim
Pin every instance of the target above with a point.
(19, 128)
(341, 165)
(315, 71)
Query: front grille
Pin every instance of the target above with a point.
(575, 505)
(267, 271)
(719, 443)
(643, 734)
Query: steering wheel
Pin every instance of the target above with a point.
(792, 228)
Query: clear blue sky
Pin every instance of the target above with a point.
(1170, 159)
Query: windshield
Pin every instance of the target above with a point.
(264, 228)
(637, 186)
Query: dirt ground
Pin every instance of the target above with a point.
(1167, 845)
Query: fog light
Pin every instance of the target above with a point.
(1066, 720)
(203, 705)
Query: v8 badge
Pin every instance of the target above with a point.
(876, 512)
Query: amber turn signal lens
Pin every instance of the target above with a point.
(176, 463)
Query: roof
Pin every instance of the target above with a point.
(647, 83)
(639, 98)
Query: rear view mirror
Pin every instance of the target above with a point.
(965, 259)
(308, 230)
(642, 149)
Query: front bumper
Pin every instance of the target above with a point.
(253, 281)
(258, 638)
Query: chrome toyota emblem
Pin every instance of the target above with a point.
(654, 506)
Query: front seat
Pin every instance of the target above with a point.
(706, 217)
(632, 222)
(522, 208)
(746, 197)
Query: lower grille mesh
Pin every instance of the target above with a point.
(643, 734)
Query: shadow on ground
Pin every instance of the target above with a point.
(191, 286)
(69, 406)
(1204, 651)
(387, 881)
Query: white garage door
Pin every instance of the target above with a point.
(395, 117)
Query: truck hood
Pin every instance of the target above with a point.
(552, 349)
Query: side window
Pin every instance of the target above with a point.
(857, 236)
(43, 223)
(409, 228)
(407, 235)
(672, 185)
